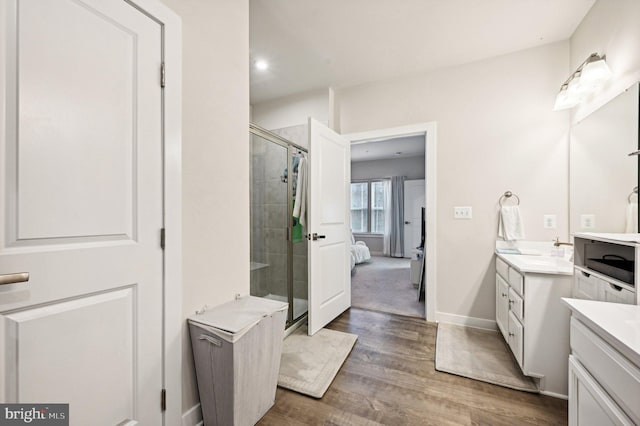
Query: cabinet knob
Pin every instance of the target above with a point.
(504, 294)
(511, 301)
(511, 334)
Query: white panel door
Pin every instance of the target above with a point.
(330, 222)
(414, 201)
(81, 208)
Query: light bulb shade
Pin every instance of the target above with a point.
(595, 73)
(564, 100)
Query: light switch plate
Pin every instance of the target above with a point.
(550, 221)
(587, 221)
(462, 213)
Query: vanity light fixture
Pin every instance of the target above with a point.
(586, 80)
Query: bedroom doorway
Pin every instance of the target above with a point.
(394, 275)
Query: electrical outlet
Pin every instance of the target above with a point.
(550, 221)
(587, 221)
(462, 213)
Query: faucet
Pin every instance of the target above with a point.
(558, 243)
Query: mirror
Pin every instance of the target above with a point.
(602, 176)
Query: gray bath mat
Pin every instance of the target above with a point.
(479, 354)
(310, 363)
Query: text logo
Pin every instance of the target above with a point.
(34, 414)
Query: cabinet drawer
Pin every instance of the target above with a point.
(516, 304)
(617, 294)
(516, 281)
(586, 286)
(502, 268)
(516, 335)
(617, 376)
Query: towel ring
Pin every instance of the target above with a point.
(635, 192)
(508, 195)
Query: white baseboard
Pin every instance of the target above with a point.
(555, 395)
(466, 321)
(193, 416)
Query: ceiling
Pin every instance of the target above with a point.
(313, 44)
(403, 147)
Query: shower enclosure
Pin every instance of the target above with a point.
(278, 240)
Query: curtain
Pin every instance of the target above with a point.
(394, 217)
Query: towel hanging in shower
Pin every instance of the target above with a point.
(300, 203)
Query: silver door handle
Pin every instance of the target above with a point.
(316, 237)
(18, 277)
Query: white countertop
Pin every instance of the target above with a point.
(538, 264)
(630, 239)
(618, 324)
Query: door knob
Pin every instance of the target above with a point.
(406, 222)
(316, 237)
(18, 277)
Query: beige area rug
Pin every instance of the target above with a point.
(384, 284)
(310, 363)
(479, 354)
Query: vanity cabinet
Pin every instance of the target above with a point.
(604, 365)
(532, 320)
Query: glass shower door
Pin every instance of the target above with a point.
(269, 212)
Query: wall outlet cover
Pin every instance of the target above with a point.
(587, 221)
(462, 212)
(550, 221)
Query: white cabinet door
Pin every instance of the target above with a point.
(516, 337)
(589, 404)
(81, 208)
(330, 221)
(502, 306)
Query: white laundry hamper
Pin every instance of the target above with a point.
(236, 349)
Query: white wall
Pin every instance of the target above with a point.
(215, 154)
(497, 131)
(292, 110)
(411, 167)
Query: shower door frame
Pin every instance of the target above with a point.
(292, 148)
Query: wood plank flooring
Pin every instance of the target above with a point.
(390, 379)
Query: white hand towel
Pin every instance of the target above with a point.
(511, 226)
(632, 219)
(300, 204)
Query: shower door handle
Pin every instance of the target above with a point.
(316, 237)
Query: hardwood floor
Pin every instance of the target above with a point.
(390, 379)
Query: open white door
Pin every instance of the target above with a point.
(81, 209)
(329, 226)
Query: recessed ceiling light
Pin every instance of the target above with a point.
(261, 65)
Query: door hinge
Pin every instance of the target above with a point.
(162, 238)
(163, 400)
(162, 72)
